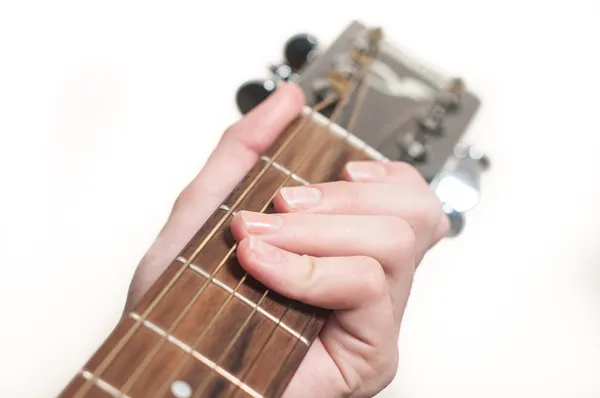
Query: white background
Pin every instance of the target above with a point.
(108, 108)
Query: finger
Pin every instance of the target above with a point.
(336, 283)
(240, 148)
(400, 173)
(389, 240)
(378, 171)
(237, 151)
(416, 204)
(353, 285)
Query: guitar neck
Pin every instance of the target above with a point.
(206, 328)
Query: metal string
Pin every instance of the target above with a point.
(148, 358)
(360, 97)
(202, 386)
(119, 346)
(232, 294)
(108, 359)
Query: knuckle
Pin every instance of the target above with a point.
(375, 281)
(410, 173)
(343, 195)
(430, 213)
(402, 240)
(309, 278)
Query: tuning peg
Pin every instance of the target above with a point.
(413, 148)
(432, 121)
(252, 93)
(281, 72)
(457, 221)
(459, 184)
(300, 49)
(450, 97)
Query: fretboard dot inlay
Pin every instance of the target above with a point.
(181, 389)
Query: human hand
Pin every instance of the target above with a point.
(361, 239)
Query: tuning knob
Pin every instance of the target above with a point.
(300, 49)
(252, 93)
(457, 221)
(281, 72)
(432, 122)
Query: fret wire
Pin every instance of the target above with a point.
(352, 123)
(354, 110)
(148, 358)
(121, 343)
(304, 328)
(246, 300)
(231, 343)
(287, 358)
(265, 206)
(196, 354)
(207, 328)
(288, 176)
(286, 171)
(102, 384)
(337, 111)
(112, 354)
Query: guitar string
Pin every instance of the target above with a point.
(362, 90)
(118, 348)
(131, 331)
(231, 295)
(360, 97)
(148, 358)
(223, 355)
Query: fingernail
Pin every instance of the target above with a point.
(260, 223)
(263, 252)
(365, 171)
(301, 197)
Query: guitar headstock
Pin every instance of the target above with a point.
(406, 110)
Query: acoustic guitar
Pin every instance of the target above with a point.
(207, 329)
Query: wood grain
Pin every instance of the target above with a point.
(215, 327)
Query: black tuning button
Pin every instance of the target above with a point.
(252, 93)
(299, 49)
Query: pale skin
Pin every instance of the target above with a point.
(361, 237)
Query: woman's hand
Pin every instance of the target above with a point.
(360, 241)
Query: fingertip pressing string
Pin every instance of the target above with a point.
(357, 82)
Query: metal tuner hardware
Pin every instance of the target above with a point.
(409, 111)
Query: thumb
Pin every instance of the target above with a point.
(239, 149)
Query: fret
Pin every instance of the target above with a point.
(100, 389)
(198, 315)
(261, 191)
(330, 148)
(277, 353)
(195, 363)
(248, 302)
(213, 322)
(215, 248)
(160, 368)
(279, 167)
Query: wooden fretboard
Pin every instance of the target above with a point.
(205, 328)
